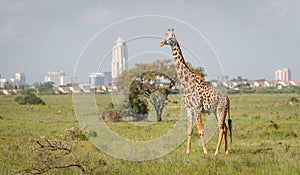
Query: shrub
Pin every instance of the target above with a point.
(293, 99)
(111, 116)
(29, 99)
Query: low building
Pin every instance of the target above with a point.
(59, 78)
(2, 82)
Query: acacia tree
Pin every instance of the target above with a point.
(46, 88)
(125, 80)
(140, 82)
(149, 85)
(137, 102)
(144, 81)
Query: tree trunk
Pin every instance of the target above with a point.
(158, 100)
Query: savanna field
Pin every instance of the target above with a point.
(266, 132)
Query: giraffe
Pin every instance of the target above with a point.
(199, 97)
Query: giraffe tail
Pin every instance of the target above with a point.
(229, 124)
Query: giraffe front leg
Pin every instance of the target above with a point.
(188, 147)
(201, 132)
(189, 131)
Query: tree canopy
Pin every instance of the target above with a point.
(165, 66)
(152, 81)
(155, 86)
(46, 88)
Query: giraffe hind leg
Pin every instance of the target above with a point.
(222, 130)
(201, 132)
(225, 139)
(219, 139)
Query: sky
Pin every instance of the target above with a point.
(251, 38)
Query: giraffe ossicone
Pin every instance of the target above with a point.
(199, 97)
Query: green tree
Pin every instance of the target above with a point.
(27, 90)
(143, 81)
(125, 79)
(198, 70)
(239, 79)
(46, 88)
(166, 66)
(148, 85)
(156, 91)
(8, 86)
(137, 102)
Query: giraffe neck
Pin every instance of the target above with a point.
(184, 73)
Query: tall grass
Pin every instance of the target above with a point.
(266, 135)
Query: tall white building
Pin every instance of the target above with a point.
(283, 74)
(119, 59)
(20, 78)
(2, 82)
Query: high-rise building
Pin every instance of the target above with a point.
(96, 79)
(283, 74)
(223, 78)
(20, 78)
(107, 78)
(119, 59)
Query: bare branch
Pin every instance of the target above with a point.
(52, 153)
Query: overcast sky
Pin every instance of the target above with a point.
(251, 38)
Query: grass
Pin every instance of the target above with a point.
(266, 135)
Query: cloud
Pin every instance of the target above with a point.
(8, 30)
(274, 9)
(17, 27)
(281, 5)
(97, 15)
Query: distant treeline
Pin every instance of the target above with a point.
(269, 90)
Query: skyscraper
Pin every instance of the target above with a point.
(107, 78)
(96, 79)
(283, 74)
(20, 78)
(119, 59)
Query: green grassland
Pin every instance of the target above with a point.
(266, 140)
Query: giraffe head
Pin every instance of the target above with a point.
(169, 38)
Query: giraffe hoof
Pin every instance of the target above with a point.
(187, 153)
(205, 152)
(216, 153)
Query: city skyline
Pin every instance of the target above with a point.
(61, 78)
(252, 39)
(119, 63)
